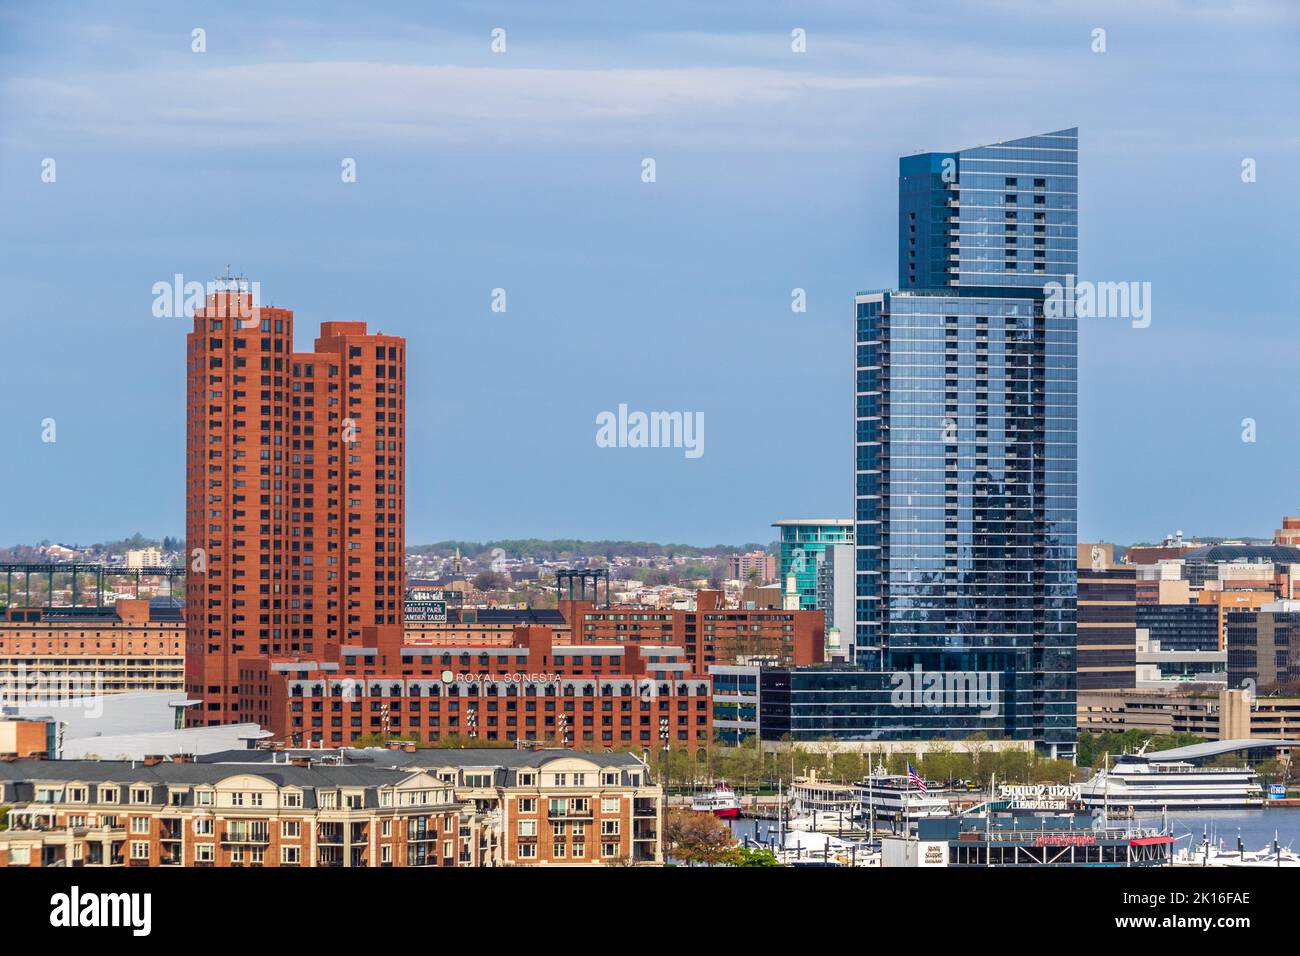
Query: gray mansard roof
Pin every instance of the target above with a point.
(20, 778)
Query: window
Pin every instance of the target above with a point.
(139, 849)
(609, 828)
(528, 828)
(20, 856)
(385, 854)
(139, 824)
(293, 799)
(203, 826)
(609, 849)
(139, 794)
(386, 828)
(203, 798)
(106, 795)
(203, 852)
(579, 850)
(290, 829)
(527, 779)
(290, 855)
(528, 806)
(329, 799)
(528, 851)
(610, 804)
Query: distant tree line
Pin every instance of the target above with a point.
(565, 549)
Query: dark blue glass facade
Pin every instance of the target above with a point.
(966, 439)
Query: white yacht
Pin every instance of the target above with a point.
(891, 797)
(1150, 783)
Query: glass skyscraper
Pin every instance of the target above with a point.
(966, 441)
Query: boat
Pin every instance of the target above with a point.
(823, 799)
(1209, 853)
(721, 801)
(891, 797)
(807, 848)
(1141, 783)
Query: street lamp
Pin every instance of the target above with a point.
(663, 735)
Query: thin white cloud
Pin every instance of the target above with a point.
(305, 102)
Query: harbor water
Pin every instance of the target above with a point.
(1255, 827)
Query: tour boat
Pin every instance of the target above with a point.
(721, 801)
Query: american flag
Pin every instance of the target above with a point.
(914, 779)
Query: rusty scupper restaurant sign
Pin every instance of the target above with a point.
(1040, 796)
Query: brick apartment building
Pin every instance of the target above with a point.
(52, 653)
(157, 813)
(364, 808)
(296, 480)
(535, 807)
(711, 634)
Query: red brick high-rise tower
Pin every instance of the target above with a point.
(296, 493)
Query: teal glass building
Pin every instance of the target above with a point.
(803, 547)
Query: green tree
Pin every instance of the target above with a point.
(757, 856)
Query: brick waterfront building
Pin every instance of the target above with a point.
(586, 696)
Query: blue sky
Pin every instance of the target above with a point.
(521, 171)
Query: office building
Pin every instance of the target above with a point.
(837, 599)
(1264, 647)
(965, 468)
(1107, 608)
(1180, 627)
